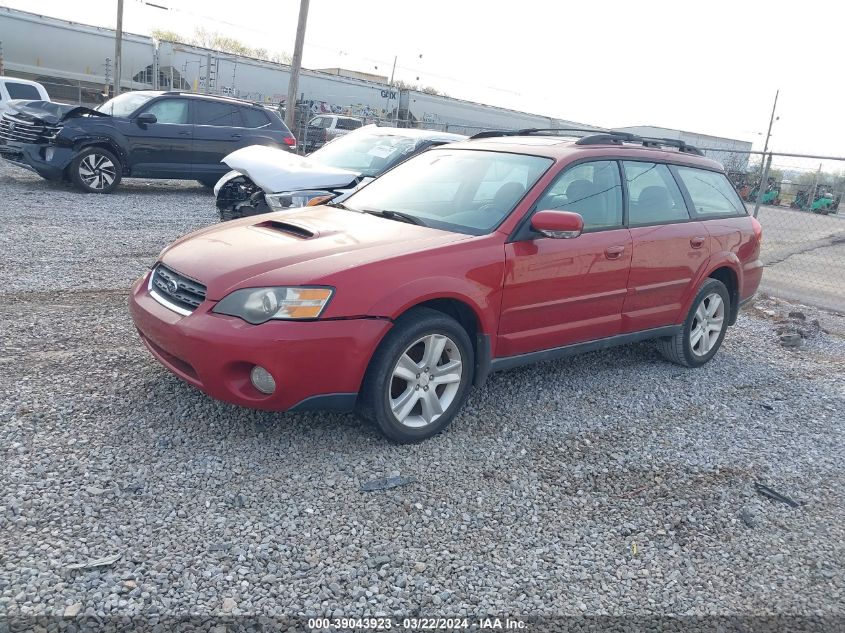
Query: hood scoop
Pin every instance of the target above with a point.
(287, 228)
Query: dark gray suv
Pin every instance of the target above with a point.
(146, 134)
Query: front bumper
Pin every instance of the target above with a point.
(48, 161)
(316, 364)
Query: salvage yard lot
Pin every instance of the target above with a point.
(609, 483)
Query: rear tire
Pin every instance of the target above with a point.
(95, 170)
(419, 377)
(208, 183)
(704, 328)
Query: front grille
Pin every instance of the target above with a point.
(20, 130)
(176, 291)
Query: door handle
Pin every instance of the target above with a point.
(697, 241)
(237, 135)
(614, 252)
(184, 133)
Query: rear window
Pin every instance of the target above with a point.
(253, 117)
(216, 113)
(711, 192)
(22, 91)
(348, 124)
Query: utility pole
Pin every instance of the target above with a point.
(765, 164)
(118, 41)
(1, 59)
(771, 121)
(296, 65)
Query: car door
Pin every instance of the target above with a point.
(668, 246)
(161, 149)
(217, 132)
(563, 291)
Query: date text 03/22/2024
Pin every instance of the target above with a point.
(416, 624)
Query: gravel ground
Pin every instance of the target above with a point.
(612, 483)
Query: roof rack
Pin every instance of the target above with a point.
(597, 137)
(529, 131)
(618, 138)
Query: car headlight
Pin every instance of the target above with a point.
(259, 305)
(296, 199)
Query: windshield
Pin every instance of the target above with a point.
(467, 191)
(125, 104)
(366, 153)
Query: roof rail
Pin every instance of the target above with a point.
(224, 97)
(646, 141)
(529, 131)
(596, 137)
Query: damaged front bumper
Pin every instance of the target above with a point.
(48, 161)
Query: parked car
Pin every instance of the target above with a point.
(466, 259)
(147, 134)
(325, 127)
(12, 88)
(265, 179)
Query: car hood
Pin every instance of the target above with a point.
(48, 112)
(292, 248)
(276, 170)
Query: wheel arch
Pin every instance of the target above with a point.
(728, 276)
(106, 144)
(724, 267)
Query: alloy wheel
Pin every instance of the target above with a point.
(97, 171)
(707, 325)
(425, 380)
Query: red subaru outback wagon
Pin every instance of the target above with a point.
(469, 258)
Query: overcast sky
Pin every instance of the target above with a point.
(710, 66)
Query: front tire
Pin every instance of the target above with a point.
(419, 377)
(96, 170)
(704, 328)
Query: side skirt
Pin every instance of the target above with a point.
(509, 362)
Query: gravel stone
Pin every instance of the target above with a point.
(531, 503)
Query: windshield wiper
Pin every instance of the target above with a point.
(395, 215)
(339, 205)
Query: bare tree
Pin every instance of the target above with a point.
(220, 42)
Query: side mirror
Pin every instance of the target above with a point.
(146, 118)
(558, 224)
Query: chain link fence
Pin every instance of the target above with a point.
(803, 222)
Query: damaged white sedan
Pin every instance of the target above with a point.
(265, 179)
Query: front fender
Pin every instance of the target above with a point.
(482, 298)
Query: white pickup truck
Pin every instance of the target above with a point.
(12, 88)
(325, 127)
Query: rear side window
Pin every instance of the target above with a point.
(22, 91)
(216, 113)
(173, 111)
(653, 194)
(711, 192)
(348, 124)
(592, 190)
(253, 118)
(321, 121)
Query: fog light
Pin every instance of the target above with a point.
(262, 380)
(48, 154)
